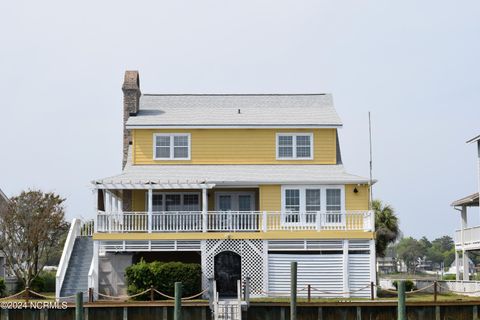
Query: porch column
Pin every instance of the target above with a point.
(457, 266)
(150, 210)
(115, 203)
(95, 206)
(96, 270)
(204, 209)
(109, 197)
(466, 266)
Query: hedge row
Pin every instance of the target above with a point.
(162, 276)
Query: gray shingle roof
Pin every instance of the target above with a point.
(270, 110)
(234, 174)
(469, 201)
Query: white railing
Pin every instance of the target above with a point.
(91, 274)
(234, 221)
(87, 228)
(471, 237)
(74, 231)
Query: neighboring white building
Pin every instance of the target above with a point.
(467, 238)
(3, 201)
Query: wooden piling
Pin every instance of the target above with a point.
(79, 306)
(402, 310)
(177, 315)
(293, 290)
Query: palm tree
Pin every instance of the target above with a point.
(386, 226)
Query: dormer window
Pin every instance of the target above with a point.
(294, 146)
(171, 146)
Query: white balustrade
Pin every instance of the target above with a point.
(234, 221)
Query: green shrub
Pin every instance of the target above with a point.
(409, 285)
(3, 288)
(449, 277)
(162, 276)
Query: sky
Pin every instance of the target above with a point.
(413, 64)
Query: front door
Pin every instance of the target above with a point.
(234, 211)
(227, 266)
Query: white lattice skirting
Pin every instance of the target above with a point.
(253, 261)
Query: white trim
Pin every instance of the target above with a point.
(172, 146)
(294, 146)
(323, 200)
(236, 126)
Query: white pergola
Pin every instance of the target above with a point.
(113, 203)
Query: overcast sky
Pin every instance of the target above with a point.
(414, 64)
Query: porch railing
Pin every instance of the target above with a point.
(471, 238)
(233, 221)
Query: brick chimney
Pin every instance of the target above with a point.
(131, 102)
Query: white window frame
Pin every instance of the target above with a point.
(323, 203)
(172, 147)
(294, 145)
(164, 194)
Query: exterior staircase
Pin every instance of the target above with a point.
(76, 276)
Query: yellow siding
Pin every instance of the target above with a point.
(235, 146)
(270, 197)
(138, 200)
(356, 201)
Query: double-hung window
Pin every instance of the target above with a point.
(171, 146)
(294, 146)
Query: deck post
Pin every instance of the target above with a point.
(402, 311)
(247, 290)
(457, 266)
(204, 209)
(150, 209)
(264, 221)
(293, 290)
(466, 266)
(79, 306)
(178, 301)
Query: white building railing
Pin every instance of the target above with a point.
(471, 238)
(234, 221)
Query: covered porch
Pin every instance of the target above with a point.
(203, 207)
(466, 238)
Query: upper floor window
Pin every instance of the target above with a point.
(171, 146)
(294, 146)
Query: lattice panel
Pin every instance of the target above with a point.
(252, 253)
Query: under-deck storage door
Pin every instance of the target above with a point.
(324, 272)
(359, 275)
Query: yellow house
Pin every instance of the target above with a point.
(241, 183)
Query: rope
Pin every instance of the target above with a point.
(347, 292)
(409, 292)
(164, 295)
(41, 295)
(123, 297)
(13, 296)
(195, 295)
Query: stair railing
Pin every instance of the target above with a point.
(73, 233)
(230, 311)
